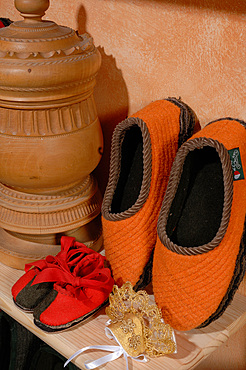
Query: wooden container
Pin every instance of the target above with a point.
(50, 137)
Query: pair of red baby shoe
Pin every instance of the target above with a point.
(65, 289)
(174, 210)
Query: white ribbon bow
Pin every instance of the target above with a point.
(117, 351)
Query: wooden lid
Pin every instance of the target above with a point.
(51, 60)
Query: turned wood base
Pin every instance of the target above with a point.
(31, 225)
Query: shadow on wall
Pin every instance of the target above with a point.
(230, 6)
(111, 97)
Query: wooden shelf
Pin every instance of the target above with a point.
(193, 346)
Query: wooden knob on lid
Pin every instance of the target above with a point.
(32, 9)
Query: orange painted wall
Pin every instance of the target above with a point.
(152, 49)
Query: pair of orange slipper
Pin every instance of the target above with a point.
(174, 210)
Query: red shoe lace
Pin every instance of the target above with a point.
(71, 252)
(89, 273)
(75, 269)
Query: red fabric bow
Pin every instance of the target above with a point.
(75, 269)
(88, 273)
(67, 259)
(66, 244)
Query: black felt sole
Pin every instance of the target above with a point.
(26, 310)
(146, 277)
(54, 329)
(239, 272)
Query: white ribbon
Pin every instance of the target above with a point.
(117, 351)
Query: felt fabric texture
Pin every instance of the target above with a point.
(71, 310)
(27, 296)
(194, 284)
(185, 226)
(74, 283)
(76, 295)
(37, 282)
(142, 152)
(131, 174)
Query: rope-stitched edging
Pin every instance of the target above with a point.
(115, 168)
(173, 186)
(187, 120)
(238, 275)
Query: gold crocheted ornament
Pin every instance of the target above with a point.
(137, 324)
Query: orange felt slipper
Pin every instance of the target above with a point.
(142, 152)
(199, 258)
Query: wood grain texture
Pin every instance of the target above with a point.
(50, 135)
(242, 287)
(230, 355)
(193, 346)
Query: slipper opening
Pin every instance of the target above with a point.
(196, 211)
(131, 171)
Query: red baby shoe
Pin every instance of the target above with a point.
(77, 294)
(27, 295)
